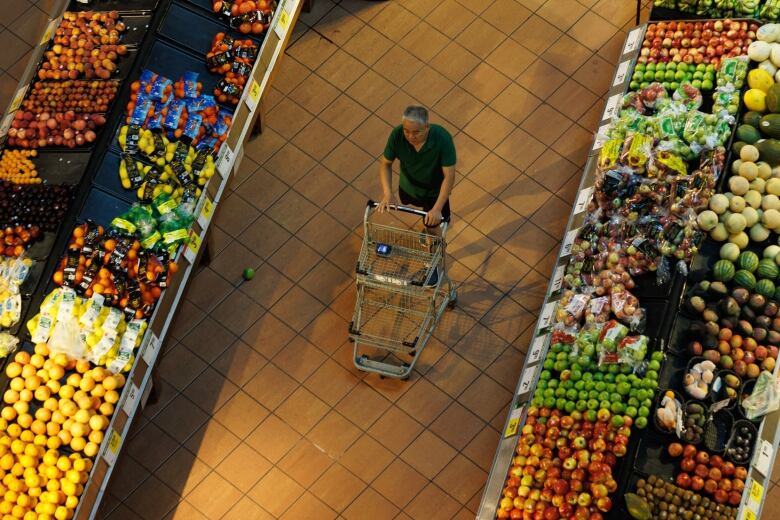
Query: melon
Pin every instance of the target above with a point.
(772, 186)
(770, 252)
(735, 166)
(767, 268)
(707, 220)
(764, 170)
(758, 233)
(723, 270)
(751, 216)
(770, 202)
(739, 185)
(720, 234)
(758, 184)
(765, 288)
(749, 153)
(748, 261)
(735, 223)
(736, 204)
(748, 170)
(740, 239)
(753, 199)
(719, 203)
(745, 279)
(730, 252)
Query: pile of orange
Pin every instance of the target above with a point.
(16, 166)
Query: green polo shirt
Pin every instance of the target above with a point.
(421, 172)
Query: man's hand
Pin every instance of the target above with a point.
(385, 203)
(433, 217)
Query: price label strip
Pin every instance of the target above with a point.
(527, 380)
(537, 348)
(205, 213)
(514, 422)
(601, 137)
(568, 242)
(193, 246)
(763, 457)
(131, 399)
(253, 96)
(151, 350)
(622, 73)
(558, 278)
(49, 31)
(546, 317)
(753, 505)
(225, 160)
(583, 199)
(632, 40)
(613, 105)
(112, 449)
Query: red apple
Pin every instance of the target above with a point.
(710, 486)
(683, 480)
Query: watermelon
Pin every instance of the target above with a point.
(745, 278)
(748, 260)
(766, 288)
(777, 294)
(768, 269)
(723, 270)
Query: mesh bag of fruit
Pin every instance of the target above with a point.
(765, 397)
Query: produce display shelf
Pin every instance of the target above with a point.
(101, 197)
(647, 448)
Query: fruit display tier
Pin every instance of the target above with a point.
(625, 361)
(114, 155)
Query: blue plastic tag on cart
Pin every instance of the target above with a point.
(383, 249)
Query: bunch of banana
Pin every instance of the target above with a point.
(668, 4)
(746, 7)
(687, 6)
(704, 7)
(725, 7)
(770, 10)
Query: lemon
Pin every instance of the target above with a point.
(760, 79)
(755, 100)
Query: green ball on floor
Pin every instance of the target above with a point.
(248, 273)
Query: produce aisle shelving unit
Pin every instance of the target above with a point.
(662, 309)
(169, 37)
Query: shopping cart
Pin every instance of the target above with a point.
(401, 279)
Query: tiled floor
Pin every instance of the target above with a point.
(261, 413)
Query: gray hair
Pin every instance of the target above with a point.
(416, 114)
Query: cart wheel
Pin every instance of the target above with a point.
(405, 378)
(381, 376)
(452, 303)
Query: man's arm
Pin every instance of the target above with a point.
(434, 216)
(386, 178)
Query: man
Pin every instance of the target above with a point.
(427, 156)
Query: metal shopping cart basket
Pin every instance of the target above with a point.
(402, 291)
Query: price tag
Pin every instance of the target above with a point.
(749, 515)
(622, 72)
(601, 137)
(720, 404)
(205, 213)
(225, 160)
(6, 125)
(632, 40)
(583, 199)
(612, 107)
(537, 348)
(283, 23)
(545, 318)
(763, 457)
(193, 246)
(558, 278)
(49, 31)
(131, 399)
(568, 242)
(514, 422)
(252, 97)
(18, 98)
(112, 449)
(151, 350)
(527, 380)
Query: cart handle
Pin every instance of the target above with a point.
(406, 209)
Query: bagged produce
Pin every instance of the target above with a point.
(765, 397)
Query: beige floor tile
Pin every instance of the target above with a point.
(434, 503)
(469, 153)
(372, 136)
(311, 49)
(209, 339)
(152, 499)
(184, 510)
(241, 414)
(237, 312)
(454, 61)
(428, 85)
(179, 366)
(458, 106)
(321, 331)
(337, 487)
(520, 150)
(289, 164)
(264, 236)
(276, 492)
(503, 270)
(183, 471)
(567, 54)
(368, 45)
(273, 438)
(181, 418)
(480, 38)
(424, 402)
(302, 410)
(338, 25)
(596, 74)
(309, 506)
(425, 41)
(510, 58)
(261, 148)
(326, 281)
(471, 247)
(348, 160)
(232, 260)
(592, 30)
(508, 319)
(210, 390)
(187, 316)
(295, 259)
(461, 478)
(482, 448)
(530, 243)
(305, 462)
(485, 82)
(266, 288)
(553, 216)
(395, 429)
(207, 289)
(541, 79)
(363, 406)
(397, 65)
(341, 69)
(317, 140)
(270, 386)
(515, 103)
(506, 367)
(348, 207)
(299, 359)
(344, 114)
(498, 221)
(489, 128)
(457, 425)
(334, 434)
(536, 34)
(371, 90)
(506, 15)
(288, 118)
(394, 21)
(212, 442)
(450, 18)
(297, 308)
(562, 13)
(290, 75)
(613, 49)
(370, 504)
(574, 145)
(530, 291)
(480, 346)
(214, 496)
(243, 467)
(239, 363)
(366, 458)
(320, 185)
(546, 124)
(247, 508)
(14, 48)
(127, 476)
(428, 454)
(399, 483)
(485, 397)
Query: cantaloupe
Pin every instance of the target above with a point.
(751, 216)
(771, 252)
(764, 170)
(758, 184)
(753, 199)
(740, 239)
(758, 233)
(729, 251)
(719, 233)
(719, 203)
(749, 153)
(770, 202)
(739, 185)
(707, 220)
(773, 186)
(735, 223)
(736, 204)
(748, 170)
(771, 219)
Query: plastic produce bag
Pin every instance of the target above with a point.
(8, 344)
(765, 397)
(688, 95)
